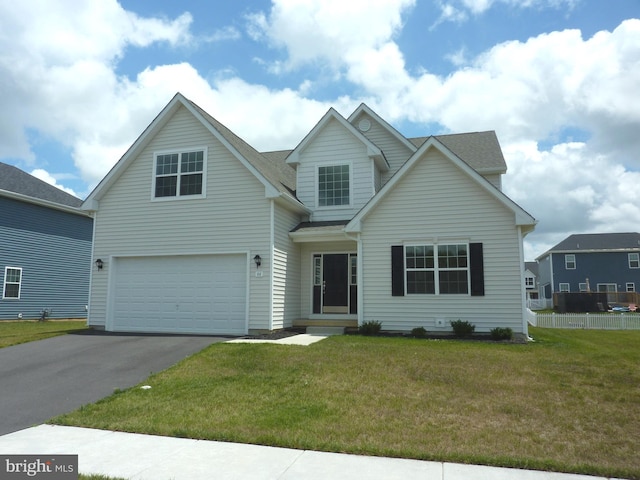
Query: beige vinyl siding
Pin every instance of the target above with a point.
(436, 201)
(286, 270)
(233, 218)
(334, 145)
(307, 251)
(394, 150)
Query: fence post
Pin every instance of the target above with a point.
(586, 321)
(623, 322)
(553, 319)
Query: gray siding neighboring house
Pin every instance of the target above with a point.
(45, 249)
(594, 262)
(201, 233)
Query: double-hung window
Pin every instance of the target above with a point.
(634, 260)
(179, 174)
(570, 262)
(437, 269)
(12, 282)
(333, 185)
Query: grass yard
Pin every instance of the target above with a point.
(568, 402)
(13, 333)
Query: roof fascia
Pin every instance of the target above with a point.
(522, 217)
(43, 203)
(364, 108)
(372, 150)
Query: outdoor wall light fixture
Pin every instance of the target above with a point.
(99, 264)
(258, 260)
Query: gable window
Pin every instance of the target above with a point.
(333, 185)
(570, 262)
(564, 287)
(12, 282)
(634, 260)
(437, 269)
(529, 282)
(179, 174)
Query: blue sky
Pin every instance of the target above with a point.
(558, 80)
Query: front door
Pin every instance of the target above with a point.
(334, 283)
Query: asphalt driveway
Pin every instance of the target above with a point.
(42, 379)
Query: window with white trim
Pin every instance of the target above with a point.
(529, 282)
(12, 282)
(631, 287)
(564, 287)
(179, 174)
(333, 185)
(437, 269)
(570, 262)
(634, 260)
(582, 287)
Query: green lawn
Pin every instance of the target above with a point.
(568, 402)
(13, 333)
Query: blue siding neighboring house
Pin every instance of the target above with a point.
(598, 262)
(45, 249)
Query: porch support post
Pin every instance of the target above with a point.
(360, 278)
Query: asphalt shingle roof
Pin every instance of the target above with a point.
(14, 180)
(599, 241)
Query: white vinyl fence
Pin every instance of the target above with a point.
(595, 321)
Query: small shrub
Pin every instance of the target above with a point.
(371, 327)
(463, 328)
(419, 332)
(501, 333)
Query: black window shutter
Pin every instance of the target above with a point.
(476, 262)
(397, 270)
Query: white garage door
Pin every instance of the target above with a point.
(180, 294)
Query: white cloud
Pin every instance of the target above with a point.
(460, 10)
(51, 180)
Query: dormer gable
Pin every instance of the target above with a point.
(373, 151)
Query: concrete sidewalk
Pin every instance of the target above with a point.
(135, 456)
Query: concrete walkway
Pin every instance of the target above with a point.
(136, 457)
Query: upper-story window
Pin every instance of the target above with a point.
(570, 262)
(333, 185)
(634, 260)
(529, 282)
(179, 174)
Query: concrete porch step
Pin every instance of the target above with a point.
(320, 330)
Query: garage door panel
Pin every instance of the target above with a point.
(181, 294)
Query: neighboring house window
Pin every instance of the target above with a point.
(437, 269)
(333, 185)
(179, 174)
(564, 287)
(634, 260)
(582, 287)
(529, 282)
(607, 287)
(12, 282)
(631, 287)
(570, 262)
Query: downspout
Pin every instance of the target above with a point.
(360, 279)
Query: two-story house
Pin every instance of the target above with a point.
(45, 249)
(595, 262)
(200, 233)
